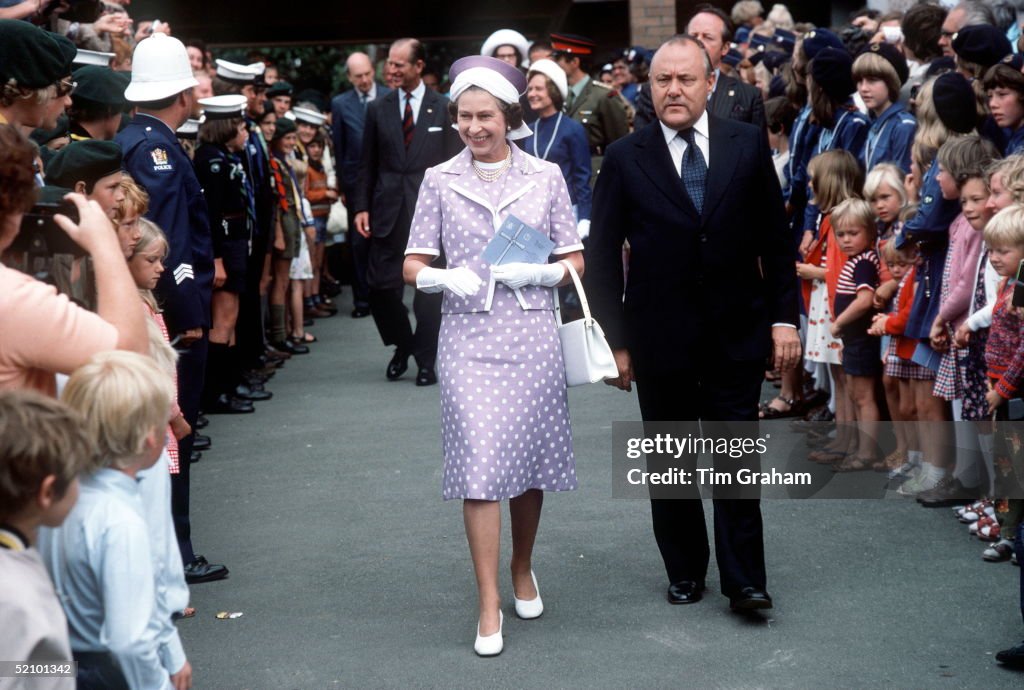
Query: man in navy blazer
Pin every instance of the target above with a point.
(406, 132)
(711, 294)
(348, 115)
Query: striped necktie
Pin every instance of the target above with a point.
(408, 125)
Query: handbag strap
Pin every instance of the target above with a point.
(579, 291)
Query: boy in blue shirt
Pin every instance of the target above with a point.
(100, 559)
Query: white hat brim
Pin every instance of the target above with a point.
(143, 92)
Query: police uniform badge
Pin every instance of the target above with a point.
(160, 161)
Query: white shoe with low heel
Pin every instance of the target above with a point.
(492, 644)
(529, 608)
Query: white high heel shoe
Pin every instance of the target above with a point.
(492, 644)
(529, 608)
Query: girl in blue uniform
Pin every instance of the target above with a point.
(1004, 85)
(842, 125)
(879, 72)
(954, 102)
(558, 138)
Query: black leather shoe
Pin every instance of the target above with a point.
(252, 392)
(360, 312)
(750, 599)
(426, 377)
(291, 348)
(276, 356)
(1012, 657)
(202, 422)
(685, 592)
(200, 570)
(398, 365)
(230, 405)
(194, 457)
(200, 442)
(948, 492)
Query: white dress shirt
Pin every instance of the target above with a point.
(677, 145)
(417, 101)
(101, 563)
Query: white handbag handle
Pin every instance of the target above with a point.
(579, 291)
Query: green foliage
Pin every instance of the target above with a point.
(305, 67)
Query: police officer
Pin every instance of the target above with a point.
(219, 168)
(596, 106)
(161, 90)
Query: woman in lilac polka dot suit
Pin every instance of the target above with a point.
(504, 409)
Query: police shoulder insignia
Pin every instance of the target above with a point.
(160, 161)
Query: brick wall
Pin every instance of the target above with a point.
(651, 22)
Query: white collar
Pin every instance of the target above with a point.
(701, 126)
(417, 93)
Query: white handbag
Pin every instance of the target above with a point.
(588, 358)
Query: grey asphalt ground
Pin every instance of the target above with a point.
(352, 572)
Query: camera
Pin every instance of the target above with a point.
(40, 236)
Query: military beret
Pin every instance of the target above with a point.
(955, 102)
(283, 127)
(30, 56)
(982, 44)
(68, 52)
(100, 85)
(940, 65)
(817, 40)
(892, 55)
(84, 161)
(279, 88)
(774, 59)
(785, 40)
(1016, 61)
(832, 70)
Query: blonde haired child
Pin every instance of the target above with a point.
(101, 558)
(853, 226)
(834, 177)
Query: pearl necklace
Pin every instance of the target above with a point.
(492, 175)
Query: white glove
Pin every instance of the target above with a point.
(583, 229)
(516, 275)
(461, 281)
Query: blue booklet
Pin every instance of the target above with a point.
(517, 242)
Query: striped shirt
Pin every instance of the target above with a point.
(859, 272)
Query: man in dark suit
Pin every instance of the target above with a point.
(730, 97)
(406, 132)
(348, 115)
(711, 293)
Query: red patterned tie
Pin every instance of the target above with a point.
(408, 126)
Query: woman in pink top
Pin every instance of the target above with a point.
(45, 333)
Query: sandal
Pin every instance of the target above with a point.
(854, 463)
(769, 412)
(826, 456)
(304, 338)
(891, 461)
